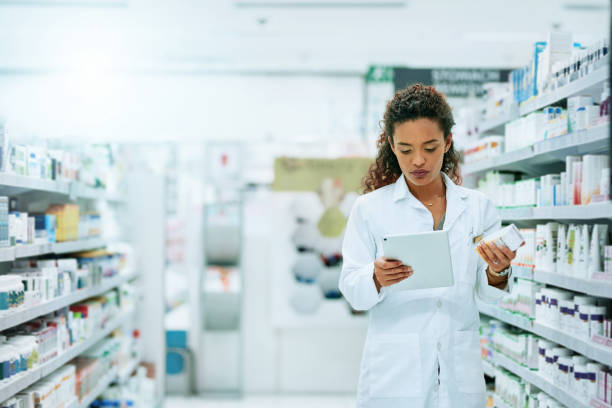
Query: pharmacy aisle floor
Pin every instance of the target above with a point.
(263, 401)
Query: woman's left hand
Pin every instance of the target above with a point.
(498, 258)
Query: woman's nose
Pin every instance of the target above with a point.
(418, 160)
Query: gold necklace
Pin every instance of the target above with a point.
(431, 204)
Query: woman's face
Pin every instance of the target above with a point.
(419, 146)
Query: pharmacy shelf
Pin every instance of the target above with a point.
(13, 184)
(125, 374)
(9, 254)
(596, 352)
(22, 316)
(527, 159)
(498, 402)
(592, 211)
(506, 316)
(599, 353)
(587, 85)
(595, 403)
(489, 369)
(77, 246)
(102, 385)
(24, 380)
(499, 121)
(598, 288)
(534, 378)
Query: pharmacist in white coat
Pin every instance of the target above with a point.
(422, 348)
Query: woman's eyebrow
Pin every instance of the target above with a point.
(427, 142)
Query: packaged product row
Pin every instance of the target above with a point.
(577, 250)
(137, 392)
(581, 316)
(556, 62)
(74, 381)
(547, 71)
(93, 165)
(519, 394)
(26, 346)
(580, 377)
(554, 121)
(60, 223)
(549, 123)
(32, 282)
(587, 181)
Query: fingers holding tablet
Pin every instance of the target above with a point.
(389, 271)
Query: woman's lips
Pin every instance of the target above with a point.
(419, 173)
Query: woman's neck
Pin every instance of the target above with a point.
(427, 192)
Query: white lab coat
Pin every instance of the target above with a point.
(411, 332)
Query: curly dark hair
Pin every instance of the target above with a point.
(414, 102)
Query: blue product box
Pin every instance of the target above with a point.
(44, 226)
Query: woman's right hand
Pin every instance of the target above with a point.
(389, 271)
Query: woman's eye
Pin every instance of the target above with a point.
(431, 150)
(406, 151)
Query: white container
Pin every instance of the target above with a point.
(583, 252)
(598, 242)
(573, 238)
(566, 315)
(596, 319)
(563, 373)
(579, 302)
(591, 383)
(577, 183)
(509, 236)
(604, 185)
(592, 166)
(580, 381)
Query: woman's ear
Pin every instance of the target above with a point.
(448, 142)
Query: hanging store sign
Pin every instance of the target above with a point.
(455, 82)
(292, 174)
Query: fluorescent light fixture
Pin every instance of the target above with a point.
(65, 3)
(587, 6)
(311, 4)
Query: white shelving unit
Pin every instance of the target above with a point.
(9, 254)
(489, 369)
(499, 121)
(13, 184)
(547, 157)
(125, 374)
(592, 140)
(587, 348)
(77, 246)
(592, 211)
(22, 316)
(595, 403)
(590, 287)
(28, 378)
(99, 389)
(499, 402)
(534, 378)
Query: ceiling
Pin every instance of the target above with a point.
(273, 36)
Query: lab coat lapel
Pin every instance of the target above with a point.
(456, 202)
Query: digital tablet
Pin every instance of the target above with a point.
(428, 253)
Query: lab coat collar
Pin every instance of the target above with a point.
(456, 201)
(455, 198)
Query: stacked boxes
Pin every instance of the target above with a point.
(67, 221)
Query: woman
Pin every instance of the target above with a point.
(422, 347)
